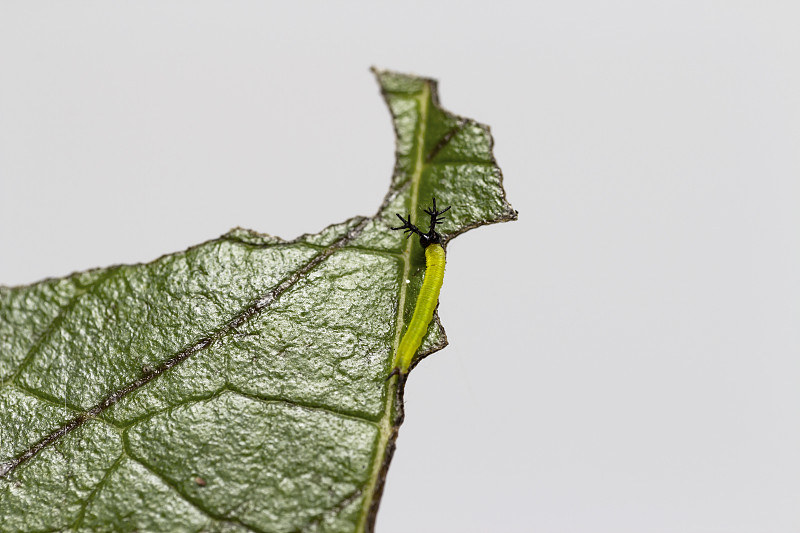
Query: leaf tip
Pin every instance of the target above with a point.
(399, 83)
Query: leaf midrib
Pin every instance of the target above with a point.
(386, 424)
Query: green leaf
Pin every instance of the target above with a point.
(239, 385)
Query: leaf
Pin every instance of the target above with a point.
(239, 385)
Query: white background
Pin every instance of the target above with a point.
(624, 358)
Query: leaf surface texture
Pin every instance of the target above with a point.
(239, 385)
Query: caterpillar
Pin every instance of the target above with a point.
(428, 296)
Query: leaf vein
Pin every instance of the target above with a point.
(96, 491)
(306, 405)
(166, 481)
(388, 425)
(55, 322)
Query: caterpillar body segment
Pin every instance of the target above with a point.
(428, 296)
(423, 312)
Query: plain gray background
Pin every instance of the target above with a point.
(624, 358)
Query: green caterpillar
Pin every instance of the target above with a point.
(428, 294)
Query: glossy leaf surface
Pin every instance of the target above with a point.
(239, 385)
